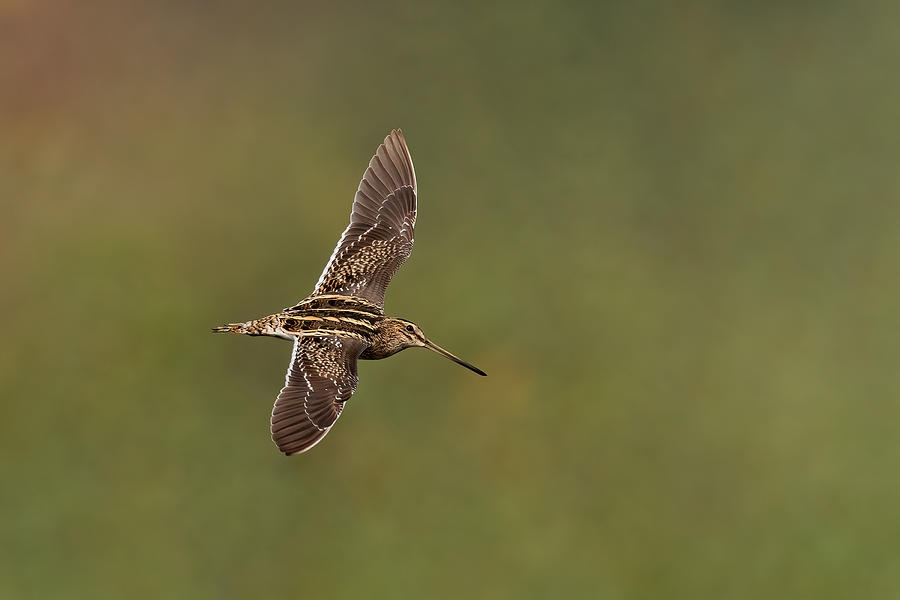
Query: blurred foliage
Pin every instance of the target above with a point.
(668, 231)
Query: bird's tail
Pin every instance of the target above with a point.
(231, 328)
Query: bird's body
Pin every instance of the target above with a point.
(343, 319)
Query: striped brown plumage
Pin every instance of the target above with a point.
(343, 319)
(321, 377)
(379, 237)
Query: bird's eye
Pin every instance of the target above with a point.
(409, 328)
(290, 322)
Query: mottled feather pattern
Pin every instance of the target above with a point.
(343, 319)
(380, 235)
(322, 376)
(367, 263)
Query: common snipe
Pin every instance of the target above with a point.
(343, 319)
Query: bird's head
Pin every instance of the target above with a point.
(406, 334)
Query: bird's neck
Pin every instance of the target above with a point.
(384, 343)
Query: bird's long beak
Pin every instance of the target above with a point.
(439, 350)
(230, 328)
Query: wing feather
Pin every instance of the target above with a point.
(380, 235)
(320, 379)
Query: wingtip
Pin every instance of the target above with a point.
(302, 450)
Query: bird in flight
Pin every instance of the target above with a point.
(343, 319)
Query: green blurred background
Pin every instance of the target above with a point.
(669, 232)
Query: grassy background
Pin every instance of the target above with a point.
(668, 231)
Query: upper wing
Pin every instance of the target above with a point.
(379, 237)
(321, 377)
